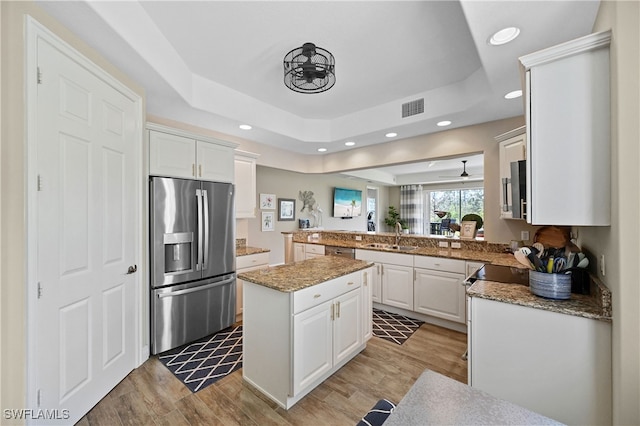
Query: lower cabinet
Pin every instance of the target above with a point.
(397, 286)
(555, 364)
(440, 294)
(368, 279)
(294, 341)
(247, 263)
(303, 251)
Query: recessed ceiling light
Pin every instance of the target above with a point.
(504, 36)
(322, 149)
(391, 135)
(350, 143)
(443, 123)
(245, 127)
(513, 95)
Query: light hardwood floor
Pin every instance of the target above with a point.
(151, 395)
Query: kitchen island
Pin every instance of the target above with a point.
(302, 322)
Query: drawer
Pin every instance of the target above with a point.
(252, 260)
(323, 292)
(314, 248)
(440, 264)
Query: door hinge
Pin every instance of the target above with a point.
(39, 290)
(39, 397)
(39, 78)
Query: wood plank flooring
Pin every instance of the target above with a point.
(151, 395)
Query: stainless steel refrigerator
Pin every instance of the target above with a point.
(192, 253)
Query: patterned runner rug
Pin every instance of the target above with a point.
(393, 327)
(207, 360)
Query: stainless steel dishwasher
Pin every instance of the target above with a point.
(340, 251)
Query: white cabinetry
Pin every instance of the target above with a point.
(439, 289)
(248, 263)
(245, 180)
(394, 275)
(512, 148)
(554, 364)
(294, 341)
(303, 251)
(177, 153)
(568, 133)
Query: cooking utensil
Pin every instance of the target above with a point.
(522, 258)
(583, 263)
(540, 248)
(553, 236)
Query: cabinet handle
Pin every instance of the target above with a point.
(505, 189)
(338, 310)
(378, 269)
(193, 169)
(365, 280)
(200, 167)
(381, 269)
(333, 310)
(414, 275)
(350, 283)
(315, 296)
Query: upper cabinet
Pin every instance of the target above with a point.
(512, 148)
(177, 153)
(245, 180)
(568, 133)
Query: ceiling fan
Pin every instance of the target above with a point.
(464, 175)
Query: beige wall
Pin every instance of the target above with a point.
(619, 242)
(12, 190)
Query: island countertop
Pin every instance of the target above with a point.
(298, 275)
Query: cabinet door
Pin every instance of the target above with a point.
(440, 294)
(313, 348)
(245, 181)
(171, 155)
(298, 252)
(215, 162)
(367, 302)
(376, 284)
(347, 325)
(511, 150)
(397, 286)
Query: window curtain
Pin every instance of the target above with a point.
(411, 207)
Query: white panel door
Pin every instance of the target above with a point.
(347, 326)
(397, 286)
(87, 233)
(313, 349)
(440, 294)
(215, 162)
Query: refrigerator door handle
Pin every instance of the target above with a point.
(195, 289)
(205, 204)
(199, 200)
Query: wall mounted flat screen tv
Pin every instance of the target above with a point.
(347, 203)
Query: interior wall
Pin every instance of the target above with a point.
(13, 348)
(618, 243)
(286, 184)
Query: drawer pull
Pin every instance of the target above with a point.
(315, 296)
(350, 283)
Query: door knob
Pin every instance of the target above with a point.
(132, 269)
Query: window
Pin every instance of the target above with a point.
(452, 205)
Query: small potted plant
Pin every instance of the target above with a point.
(394, 217)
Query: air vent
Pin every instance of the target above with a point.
(413, 108)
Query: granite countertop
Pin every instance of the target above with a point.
(298, 275)
(246, 250)
(595, 306)
(435, 399)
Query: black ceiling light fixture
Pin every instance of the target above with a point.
(309, 69)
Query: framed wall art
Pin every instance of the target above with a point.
(468, 230)
(268, 221)
(286, 208)
(267, 201)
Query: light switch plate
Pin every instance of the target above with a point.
(456, 245)
(524, 235)
(358, 237)
(443, 244)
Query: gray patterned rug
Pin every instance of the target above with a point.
(393, 327)
(207, 360)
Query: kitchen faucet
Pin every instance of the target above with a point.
(398, 231)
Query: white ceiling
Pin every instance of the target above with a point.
(218, 64)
